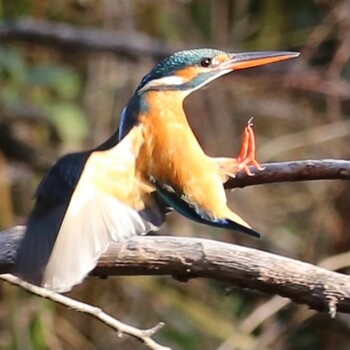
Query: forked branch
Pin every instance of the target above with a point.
(185, 258)
(144, 335)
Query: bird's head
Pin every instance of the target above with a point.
(191, 69)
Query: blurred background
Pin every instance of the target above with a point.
(63, 83)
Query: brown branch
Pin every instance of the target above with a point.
(144, 335)
(186, 258)
(135, 45)
(77, 39)
(302, 170)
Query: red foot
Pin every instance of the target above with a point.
(248, 150)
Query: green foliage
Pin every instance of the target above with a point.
(14, 8)
(12, 74)
(38, 341)
(63, 81)
(53, 89)
(182, 338)
(69, 120)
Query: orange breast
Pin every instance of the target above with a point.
(172, 154)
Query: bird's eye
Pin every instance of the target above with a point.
(205, 62)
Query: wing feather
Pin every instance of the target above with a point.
(86, 233)
(109, 204)
(52, 200)
(80, 211)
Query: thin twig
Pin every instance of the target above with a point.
(144, 335)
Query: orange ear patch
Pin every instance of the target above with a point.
(188, 73)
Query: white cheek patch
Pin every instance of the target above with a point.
(172, 80)
(177, 81)
(165, 81)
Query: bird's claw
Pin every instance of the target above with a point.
(247, 154)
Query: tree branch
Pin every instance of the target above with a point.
(69, 37)
(302, 170)
(144, 335)
(186, 258)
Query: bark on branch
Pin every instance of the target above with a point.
(143, 335)
(186, 258)
(302, 170)
(73, 38)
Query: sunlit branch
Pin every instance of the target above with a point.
(144, 335)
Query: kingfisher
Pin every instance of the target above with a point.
(124, 187)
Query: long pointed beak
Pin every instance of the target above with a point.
(254, 59)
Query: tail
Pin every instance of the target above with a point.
(233, 222)
(231, 225)
(236, 223)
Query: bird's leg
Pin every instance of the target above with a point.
(231, 166)
(247, 155)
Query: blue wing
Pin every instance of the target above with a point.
(52, 199)
(78, 213)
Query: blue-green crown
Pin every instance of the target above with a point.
(177, 61)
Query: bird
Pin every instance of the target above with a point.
(151, 164)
